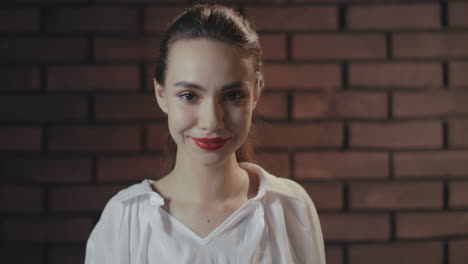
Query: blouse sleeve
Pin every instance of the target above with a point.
(315, 228)
(315, 249)
(104, 244)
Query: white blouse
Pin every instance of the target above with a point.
(279, 225)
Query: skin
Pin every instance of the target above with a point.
(209, 92)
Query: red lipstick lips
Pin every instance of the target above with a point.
(210, 144)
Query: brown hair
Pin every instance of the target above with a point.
(219, 23)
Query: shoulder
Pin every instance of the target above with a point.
(127, 195)
(131, 192)
(115, 212)
(295, 201)
(279, 185)
(108, 241)
(293, 194)
(287, 187)
(115, 207)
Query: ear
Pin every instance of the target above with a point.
(259, 88)
(160, 93)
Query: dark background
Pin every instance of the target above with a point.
(366, 105)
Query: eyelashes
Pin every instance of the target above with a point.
(231, 96)
(188, 96)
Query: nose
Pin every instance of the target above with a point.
(211, 115)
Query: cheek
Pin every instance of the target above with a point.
(179, 120)
(240, 118)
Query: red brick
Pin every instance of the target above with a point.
(46, 169)
(313, 106)
(397, 135)
(334, 255)
(402, 253)
(338, 46)
(395, 74)
(93, 19)
(430, 45)
(458, 76)
(302, 76)
(81, 198)
(276, 163)
(92, 77)
(273, 106)
(42, 108)
(431, 164)
(47, 229)
(328, 134)
(157, 135)
(396, 195)
(21, 199)
(116, 107)
(341, 165)
(20, 78)
(342, 105)
(355, 227)
(274, 46)
(431, 225)
(458, 252)
(394, 16)
(158, 19)
(458, 129)
(43, 49)
(459, 194)
(292, 18)
(19, 19)
(457, 14)
(125, 49)
(89, 138)
(131, 168)
(328, 196)
(20, 138)
(430, 104)
(15, 254)
(70, 254)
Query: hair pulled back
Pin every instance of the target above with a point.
(219, 23)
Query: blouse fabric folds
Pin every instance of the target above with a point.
(279, 225)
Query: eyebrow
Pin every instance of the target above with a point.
(190, 85)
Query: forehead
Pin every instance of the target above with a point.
(208, 62)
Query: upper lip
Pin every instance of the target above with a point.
(215, 139)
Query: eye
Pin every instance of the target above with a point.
(234, 96)
(187, 96)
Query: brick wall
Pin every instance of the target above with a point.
(374, 92)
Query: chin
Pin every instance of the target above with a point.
(214, 158)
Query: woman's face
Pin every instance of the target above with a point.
(209, 96)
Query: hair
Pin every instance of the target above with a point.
(220, 23)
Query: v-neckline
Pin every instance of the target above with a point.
(205, 240)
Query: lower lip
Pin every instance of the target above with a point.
(210, 146)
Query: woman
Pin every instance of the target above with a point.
(213, 206)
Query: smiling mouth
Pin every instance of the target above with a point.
(210, 144)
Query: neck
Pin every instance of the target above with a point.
(203, 184)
